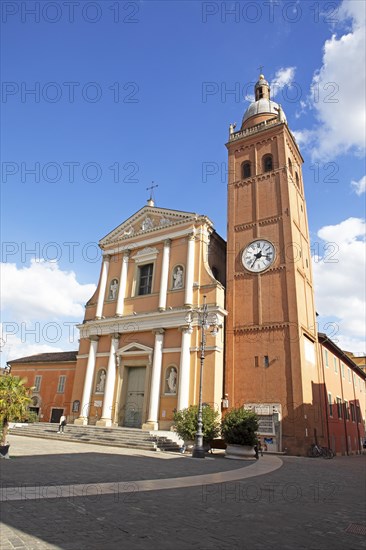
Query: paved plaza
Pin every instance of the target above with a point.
(62, 495)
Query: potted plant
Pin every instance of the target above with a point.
(14, 402)
(238, 428)
(185, 424)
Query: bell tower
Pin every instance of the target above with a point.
(271, 340)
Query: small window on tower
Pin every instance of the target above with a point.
(267, 163)
(266, 361)
(297, 180)
(290, 166)
(246, 170)
(256, 361)
(260, 92)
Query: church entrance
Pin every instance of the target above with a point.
(135, 397)
(56, 415)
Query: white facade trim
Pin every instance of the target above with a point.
(153, 240)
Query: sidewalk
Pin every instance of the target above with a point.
(74, 497)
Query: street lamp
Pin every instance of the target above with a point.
(206, 321)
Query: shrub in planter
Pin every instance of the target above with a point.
(185, 423)
(239, 427)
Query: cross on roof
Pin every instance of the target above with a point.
(151, 189)
(260, 69)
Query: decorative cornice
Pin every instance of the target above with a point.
(147, 242)
(147, 253)
(261, 127)
(268, 221)
(143, 322)
(261, 328)
(244, 226)
(247, 275)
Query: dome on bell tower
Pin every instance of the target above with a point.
(263, 108)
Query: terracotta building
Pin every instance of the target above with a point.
(344, 397)
(272, 357)
(51, 375)
(138, 358)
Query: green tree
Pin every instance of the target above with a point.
(14, 402)
(186, 421)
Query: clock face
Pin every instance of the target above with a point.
(258, 255)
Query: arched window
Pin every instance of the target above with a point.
(171, 379)
(297, 180)
(246, 170)
(113, 287)
(267, 163)
(290, 166)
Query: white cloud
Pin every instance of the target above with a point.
(42, 291)
(359, 186)
(303, 137)
(339, 268)
(283, 77)
(41, 305)
(338, 88)
(16, 346)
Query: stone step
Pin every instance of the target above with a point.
(114, 437)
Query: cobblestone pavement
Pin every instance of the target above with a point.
(305, 504)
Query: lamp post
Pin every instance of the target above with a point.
(206, 321)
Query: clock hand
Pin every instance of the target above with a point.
(257, 256)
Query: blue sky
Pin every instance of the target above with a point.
(127, 93)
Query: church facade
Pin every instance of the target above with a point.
(138, 359)
(139, 353)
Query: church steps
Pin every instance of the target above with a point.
(113, 437)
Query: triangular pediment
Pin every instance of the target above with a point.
(134, 347)
(147, 220)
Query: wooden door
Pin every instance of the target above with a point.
(135, 397)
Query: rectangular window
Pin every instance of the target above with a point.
(326, 358)
(37, 383)
(61, 384)
(346, 410)
(358, 413)
(342, 369)
(353, 412)
(256, 361)
(335, 364)
(266, 361)
(145, 279)
(349, 375)
(339, 407)
(330, 404)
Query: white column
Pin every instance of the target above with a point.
(152, 420)
(164, 275)
(122, 284)
(184, 369)
(188, 299)
(88, 382)
(102, 286)
(106, 419)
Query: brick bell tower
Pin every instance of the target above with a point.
(272, 362)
